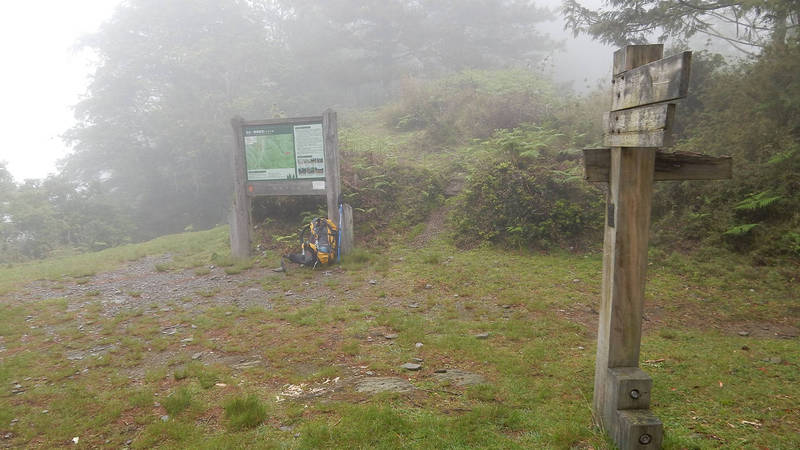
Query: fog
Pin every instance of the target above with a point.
(135, 98)
(49, 73)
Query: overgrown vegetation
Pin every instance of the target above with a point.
(750, 112)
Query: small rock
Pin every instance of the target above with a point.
(455, 295)
(76, 439)
(414, 305)
(14, 420)
(45, 411)
(197, 355)
(278, 269)
(194, 326)
(128, 442)
(165, 418)
(391, 336)
(378, 385)
(506, 306)
(373, 282)
(285, 428)
(417, 360)
(482, 335)
(297, 435)
(411, 366)
(369, 373)
(744, 333)
(187, 340)
(228, 313)
(576, 280)
(8, 436)
(775, 360)
(428, 286)
(459, 377)
(418, 345)
(580, 347)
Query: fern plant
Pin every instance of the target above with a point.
(740, 230)
(759, 201)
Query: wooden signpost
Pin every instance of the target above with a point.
(639, 123)
(275, 157)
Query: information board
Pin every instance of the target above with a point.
(284, 151)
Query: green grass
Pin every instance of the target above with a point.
(245, 412)
(184, 246)
(177, 401)
(538, 363)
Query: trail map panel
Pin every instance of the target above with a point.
(269, 152)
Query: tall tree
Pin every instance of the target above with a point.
(745, 24)
(153, 129)
(361, 46)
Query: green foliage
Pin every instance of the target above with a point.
(740, 230)
(472, 104)
(39, 217)
(177, 401)
(750, 112)
(755, 202)
(387, 194)
(528, 193)
(623, 22)
(247, 412)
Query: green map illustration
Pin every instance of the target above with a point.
(271, 152)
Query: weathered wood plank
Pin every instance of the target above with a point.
(347, 230)
(240, 213)
(285, 187)
(333, 187)
(692, 166)
(624, 268)
(659, 81)
(282, 120)
(597, 164)
(632, 56)
(645, 126)
(638, 429)
(668, 166)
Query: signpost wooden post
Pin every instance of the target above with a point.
(639, 122)
(295, 156)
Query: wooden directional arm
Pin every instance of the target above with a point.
(668, 166)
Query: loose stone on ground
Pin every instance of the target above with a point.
(459, 377)
(383, 384)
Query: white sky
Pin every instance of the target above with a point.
(43, 76)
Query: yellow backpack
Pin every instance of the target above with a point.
(320, 246)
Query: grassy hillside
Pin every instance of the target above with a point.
(167, 344)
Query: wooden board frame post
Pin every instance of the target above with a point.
(640, 121)
(240, 213)
(246, 189)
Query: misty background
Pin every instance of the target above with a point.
(48, 72)
(116, 114)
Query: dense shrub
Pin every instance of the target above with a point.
(751, 112)
(472, 104)
(387, 195)
(529, 193)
